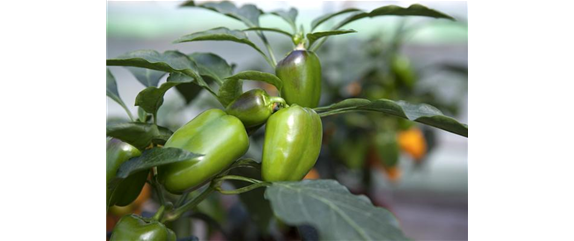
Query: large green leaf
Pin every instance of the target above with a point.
(168, 61)
(421, 113)
(147, 77)
(318, 21)
(212, 65)
(276, 30)
(232, 87)
(248, 13)
(312, 37)
(112, 91)
(152, 158)
(332, 210)
(139, 135)
(289, 16)
(220, 34)
(393, 10)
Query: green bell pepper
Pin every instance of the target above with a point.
(300, 72)
(133, 227)
(117, 152)
(292, 144)
(253, 107)
(220, 137)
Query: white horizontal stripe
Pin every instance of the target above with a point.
(521, 147)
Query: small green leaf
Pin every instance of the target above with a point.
(318, 21)
(212, 65)
(220, 34)
(421, 113)
(188, 91)
(248, 13)
(139, 135)
(289, 16)
(268, 29)
(229, 91)
(312, 37)
(151, 98)
(393, 10)
(332, 210)
(147, 77)
(152, 158)
(112, 91)
(233, 85)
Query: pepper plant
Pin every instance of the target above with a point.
(187, 165)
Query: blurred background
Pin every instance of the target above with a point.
(420, 60)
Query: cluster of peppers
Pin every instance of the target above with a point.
(293, 137)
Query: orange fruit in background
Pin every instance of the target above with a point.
(393, 173)
(313, 174)
(412, 141)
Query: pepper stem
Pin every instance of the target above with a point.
(280, 101)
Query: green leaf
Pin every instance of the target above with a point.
(268, 29)
(220, 34)
(188, 91)
(393, 10)
(212, 65)
(169, 61)
(332, 210)
(147, 77)
(421, 113)
(152, 158)
(233, 85)
(258, 76)
(229, 91)
(248, 13)
(112, 91)
(318, 21)
(289, 16)
(151, 98)
(139, 135)
(312, 37)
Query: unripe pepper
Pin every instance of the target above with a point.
(117, 152)
(220, 137)
(300, 72)
(133, 227)
(292, 144)
(253, 107)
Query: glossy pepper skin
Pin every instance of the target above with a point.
(292, 144)
(220, 137)
(253, 107)
(300, 72)
(133, 227)
(117, 152)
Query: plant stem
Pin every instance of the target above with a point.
(240, 178)
(269, 50)
(157, 216)
(188, 206)
(244, 189)
(155, 184)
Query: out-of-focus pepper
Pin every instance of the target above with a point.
(133, 227)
